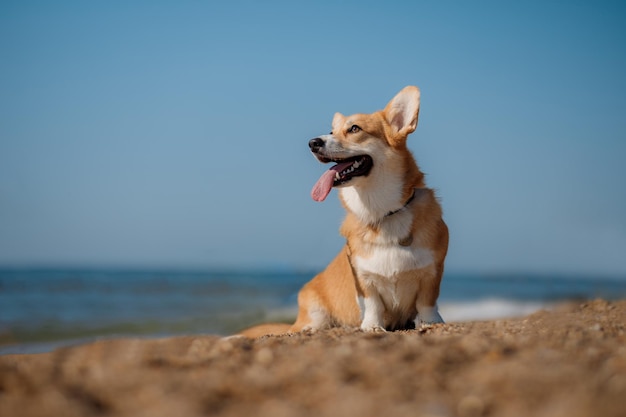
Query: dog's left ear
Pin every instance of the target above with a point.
(338, 121)
(402, 111)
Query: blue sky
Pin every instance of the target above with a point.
(174, 134)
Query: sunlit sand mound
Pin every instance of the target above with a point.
(566, 362)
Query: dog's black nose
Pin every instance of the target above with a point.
(316, 144)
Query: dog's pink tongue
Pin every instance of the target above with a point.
(322, 187)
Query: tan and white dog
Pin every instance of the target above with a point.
(387, 275)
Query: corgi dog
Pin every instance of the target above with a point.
(387, 275)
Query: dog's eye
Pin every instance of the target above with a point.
(354, 129)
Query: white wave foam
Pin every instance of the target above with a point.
(489, 309)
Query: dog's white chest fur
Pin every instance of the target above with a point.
(389, 261)
(385, 256)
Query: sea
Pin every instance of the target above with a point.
(43, 309)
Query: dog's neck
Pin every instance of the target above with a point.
(374, 208)
(384, 194)
(391, 213)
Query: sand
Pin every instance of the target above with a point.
(567, 362)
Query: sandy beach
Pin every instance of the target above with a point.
(567, 362)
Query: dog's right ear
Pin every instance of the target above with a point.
(402, 112)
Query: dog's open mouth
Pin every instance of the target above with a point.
(341, 173)
(349, 168)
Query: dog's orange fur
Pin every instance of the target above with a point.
(394, 263)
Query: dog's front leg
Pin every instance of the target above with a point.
(426, 304)
(373, 313)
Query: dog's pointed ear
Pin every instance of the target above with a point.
(338, 121)
(402, 111)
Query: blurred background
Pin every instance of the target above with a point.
(155, 173)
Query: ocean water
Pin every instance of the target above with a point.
(41, 309)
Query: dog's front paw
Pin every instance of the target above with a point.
(428, 316)
(309, 330)
(372, 328)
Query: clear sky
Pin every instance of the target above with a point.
(174, 134)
